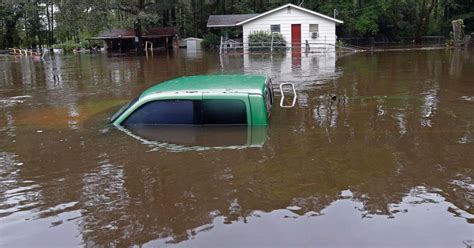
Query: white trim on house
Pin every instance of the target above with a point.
(221, 26)
(289, 6)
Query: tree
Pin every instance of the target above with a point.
(142, 12)
(425, 10)
(11, 14)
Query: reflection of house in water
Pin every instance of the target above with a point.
(301, 69)
(123, 39)
(306, 71)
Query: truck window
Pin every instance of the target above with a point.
(223, 111)
(269, 97)
(167, 112)
(123, 108)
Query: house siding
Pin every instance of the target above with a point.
(288, 16)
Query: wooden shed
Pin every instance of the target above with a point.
(123, 39)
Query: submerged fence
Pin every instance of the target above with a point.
(306, 46)
(382, 40)
(25, 52)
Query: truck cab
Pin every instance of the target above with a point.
(201, 100)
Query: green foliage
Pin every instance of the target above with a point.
(30, 23)
(340, 43)
(262, 40)
(84, 44)
(68, 46)
(367, 24)
(210, 40)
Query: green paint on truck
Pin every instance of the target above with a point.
(209, 99)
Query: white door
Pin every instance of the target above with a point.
(191, 45)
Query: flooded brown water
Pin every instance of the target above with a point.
(388, 163)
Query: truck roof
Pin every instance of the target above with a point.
(224, 83)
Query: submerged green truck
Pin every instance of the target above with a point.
(201, 100)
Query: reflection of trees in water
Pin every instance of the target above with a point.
(422, 137)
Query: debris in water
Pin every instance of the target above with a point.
(39, 131)
(56, 223)
(469, 243)
(293, 208)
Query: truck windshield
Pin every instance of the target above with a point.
(123, 108)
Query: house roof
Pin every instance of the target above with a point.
(289, 6)
(130, 33)
(227, 20)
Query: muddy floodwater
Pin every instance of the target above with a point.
(377, 152)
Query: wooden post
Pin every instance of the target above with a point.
(325, 43)
(271, 44)
(467, 40)
(120, 43)
(220, 46)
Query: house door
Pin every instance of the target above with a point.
(296, 35)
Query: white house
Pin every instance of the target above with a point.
(298, 25)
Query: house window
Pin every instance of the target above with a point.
(275, 28)
(314, 31)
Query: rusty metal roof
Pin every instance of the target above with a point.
(129, 32)
(227, 20)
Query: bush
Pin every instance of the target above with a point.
(85, 44)
(261, 40)
(71, 45)
(340, 44)
(210, 40)
(68, 46)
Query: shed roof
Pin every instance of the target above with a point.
(227, 20)
(130, 33)
(192, 38)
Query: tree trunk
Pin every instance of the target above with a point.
(52, 23)
(193, 6)
(137, 25)
(48, 19)
(10, 29)
(426, 8)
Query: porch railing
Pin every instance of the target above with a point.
(306, 46)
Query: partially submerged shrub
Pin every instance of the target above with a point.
(262, 40)
(68, 45)
(71, 45)
(85, 44)
(210, 40)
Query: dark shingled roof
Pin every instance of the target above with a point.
(227, 20)
(129, 32)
